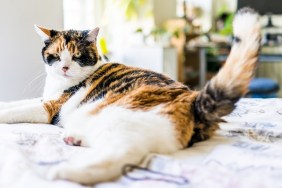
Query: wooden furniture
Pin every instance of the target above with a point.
(204, 59)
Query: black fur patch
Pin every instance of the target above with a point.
(86, 59)
(51, 59)
(53, 33)
(72, 90)
(56, 119)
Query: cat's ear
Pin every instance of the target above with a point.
(92, 35)
(44, 33)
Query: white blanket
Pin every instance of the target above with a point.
(246, 152)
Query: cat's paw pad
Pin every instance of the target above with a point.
(72, 141)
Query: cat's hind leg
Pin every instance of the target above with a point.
(117, 136)
(98, 166)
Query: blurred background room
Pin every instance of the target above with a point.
(185, 39)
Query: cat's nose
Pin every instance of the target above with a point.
(65, 69)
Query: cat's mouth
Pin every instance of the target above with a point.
(66, 76)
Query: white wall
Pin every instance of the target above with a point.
(20, 46)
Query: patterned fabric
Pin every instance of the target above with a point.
(246, 152)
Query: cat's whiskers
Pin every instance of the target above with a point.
(37, 82)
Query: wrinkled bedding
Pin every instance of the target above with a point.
(245, 152)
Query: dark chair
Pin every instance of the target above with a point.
(263, 88)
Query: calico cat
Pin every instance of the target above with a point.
(124, 113)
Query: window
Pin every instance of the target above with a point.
(80, 14)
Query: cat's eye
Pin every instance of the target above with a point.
(56, 55)
(77, 54)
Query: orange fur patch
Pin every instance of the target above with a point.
(181, 113)
(52, 107)
(56, 47)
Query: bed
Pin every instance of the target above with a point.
(245, 152)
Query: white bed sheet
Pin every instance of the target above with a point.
(246, 152)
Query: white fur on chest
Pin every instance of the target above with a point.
(54, 87)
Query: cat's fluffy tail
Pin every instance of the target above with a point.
(219, 96)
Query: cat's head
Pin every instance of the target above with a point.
(69, 55)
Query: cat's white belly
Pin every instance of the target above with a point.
(119, 127)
